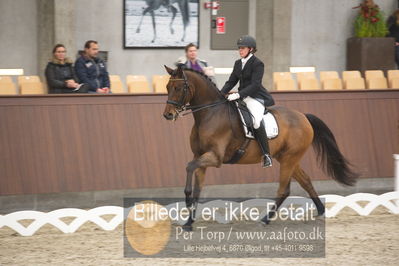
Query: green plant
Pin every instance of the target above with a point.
(370, 21)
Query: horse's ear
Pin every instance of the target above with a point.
(168, 69)
(179, 71)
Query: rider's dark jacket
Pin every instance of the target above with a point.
(250, 79)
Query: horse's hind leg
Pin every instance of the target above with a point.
(174, 11)
(283, 192)
(184, 33)
(305, 182)
(153, 25)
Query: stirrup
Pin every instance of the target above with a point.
(267, 161)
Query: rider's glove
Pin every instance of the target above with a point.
(233, 96)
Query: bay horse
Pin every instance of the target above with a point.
(217, 134)
(153, 5)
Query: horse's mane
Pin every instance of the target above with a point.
(205, 77)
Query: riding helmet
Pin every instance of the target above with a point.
(246, 41)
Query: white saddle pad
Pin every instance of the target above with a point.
(268, 120)
(271, 125)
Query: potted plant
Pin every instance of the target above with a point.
(370, 49)
(370, 21)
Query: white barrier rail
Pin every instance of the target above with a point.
(396, 158)
(388, 200)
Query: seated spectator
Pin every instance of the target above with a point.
(193, 62)
(60, 74)
(92, 70)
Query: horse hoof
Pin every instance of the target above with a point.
(172, 31)
(187, 228)
(138, 31)
(321, 212)
(264, 221)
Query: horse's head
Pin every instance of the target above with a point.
(178, 93)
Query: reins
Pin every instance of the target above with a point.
(181, 106)
(197, 108)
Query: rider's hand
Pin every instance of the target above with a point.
(233, 96)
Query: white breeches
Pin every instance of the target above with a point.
(257, 109)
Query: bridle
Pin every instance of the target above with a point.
(182, 106)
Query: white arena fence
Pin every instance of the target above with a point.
(388, 200)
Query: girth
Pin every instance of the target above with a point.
(239, 153)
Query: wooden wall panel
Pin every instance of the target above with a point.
(57, 143)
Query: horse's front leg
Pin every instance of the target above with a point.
(142, 17)
(192, 202)
(199, 165)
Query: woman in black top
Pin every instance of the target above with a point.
(393, 26)
(60, 74)
(249, 72)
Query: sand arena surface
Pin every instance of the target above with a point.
(350, 239)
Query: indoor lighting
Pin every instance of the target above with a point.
(302, 69)
(223, 70)
(11, 72)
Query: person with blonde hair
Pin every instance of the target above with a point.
(60, 74)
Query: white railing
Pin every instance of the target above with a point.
(388, 200)
(396, 158)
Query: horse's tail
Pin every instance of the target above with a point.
(330, 157)
(185, 11)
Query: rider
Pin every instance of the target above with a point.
(249, 71)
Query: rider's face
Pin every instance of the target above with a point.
(243, 51)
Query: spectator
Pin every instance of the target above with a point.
(60, 74)
(92, 70)
(192, 61)
(393, 24)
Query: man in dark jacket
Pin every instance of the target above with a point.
(92, 70)
(249, 72)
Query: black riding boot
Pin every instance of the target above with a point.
(261, 137)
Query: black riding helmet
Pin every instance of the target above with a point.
(246, 41)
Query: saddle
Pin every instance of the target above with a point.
(269, 121)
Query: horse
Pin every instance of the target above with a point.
(217, 134)
(153, 5)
